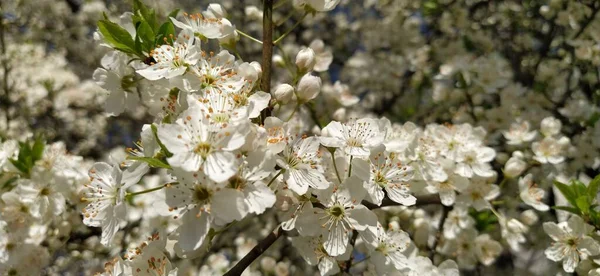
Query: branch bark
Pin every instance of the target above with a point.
(260, 248)
(267, 53)
(421, 200)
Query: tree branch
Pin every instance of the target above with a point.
(260, 248)
(421, 200)
(267, 53)
(439, 232)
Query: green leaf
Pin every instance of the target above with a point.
(20, 166)
(145, 13)
(580, 188)
(567, 209)
(116, 36)
(583, 203)
(166, 30)
(153, 162)
(144, 38)
(593, 186)
(567, 192)
(160, 144)
(38, 149)
(173, 14)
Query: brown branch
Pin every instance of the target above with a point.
(421, 200)
(588, 20)
(260, 248)
(267, 53)
(439, 232)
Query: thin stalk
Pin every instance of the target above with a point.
(293, 112)
(279, 4)
(350, 166)
(151, 190)
(290, 30)
(249, 37)
(275, 177)
(335, 167)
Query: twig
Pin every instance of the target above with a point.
(348, 263)
(5, 85)
(588, 20)
(439, 233)
(421, 200)
(267, 53)
(261, 247)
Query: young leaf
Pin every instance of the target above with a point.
(38, 149)
(20, 166)
(568, 209)
(144, 38)
(160, 144)
(567, 192)
(148, 15)
(166, 30)
(116, 36)
(583, 203)
(173, 14)
(580, 188)
(593, 187)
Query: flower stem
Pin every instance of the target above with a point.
(129, 195)
(249, 36)
(350, 166)
(293, 112)
(275, 177)
(335, 167)
(290, 30)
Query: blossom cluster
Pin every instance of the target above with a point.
(464, 142)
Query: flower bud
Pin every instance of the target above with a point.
(514, 167)
(268, 264)
(282, 269)
(258, 67)
(550, 126)
(308, 88)
(340, 114)
(283, 93)
(305, 60)
(529, 217)
(216, 11)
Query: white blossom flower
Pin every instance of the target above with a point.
(106, 195)
(44, 194)
(550, 150)
(194, 146)
(323, 56)
(571, 242)
(312, 251)
(478, 194)
(172, 60)
(387, 249)
(355, 138)
(519, 133)
(550, 126)
(389, 174)
(487, 249)
(457, 221)
(513, 232)
(299, 162)
(341, 215)
(118, 78)
(475, 161)
(205, 27)
(531, 194)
